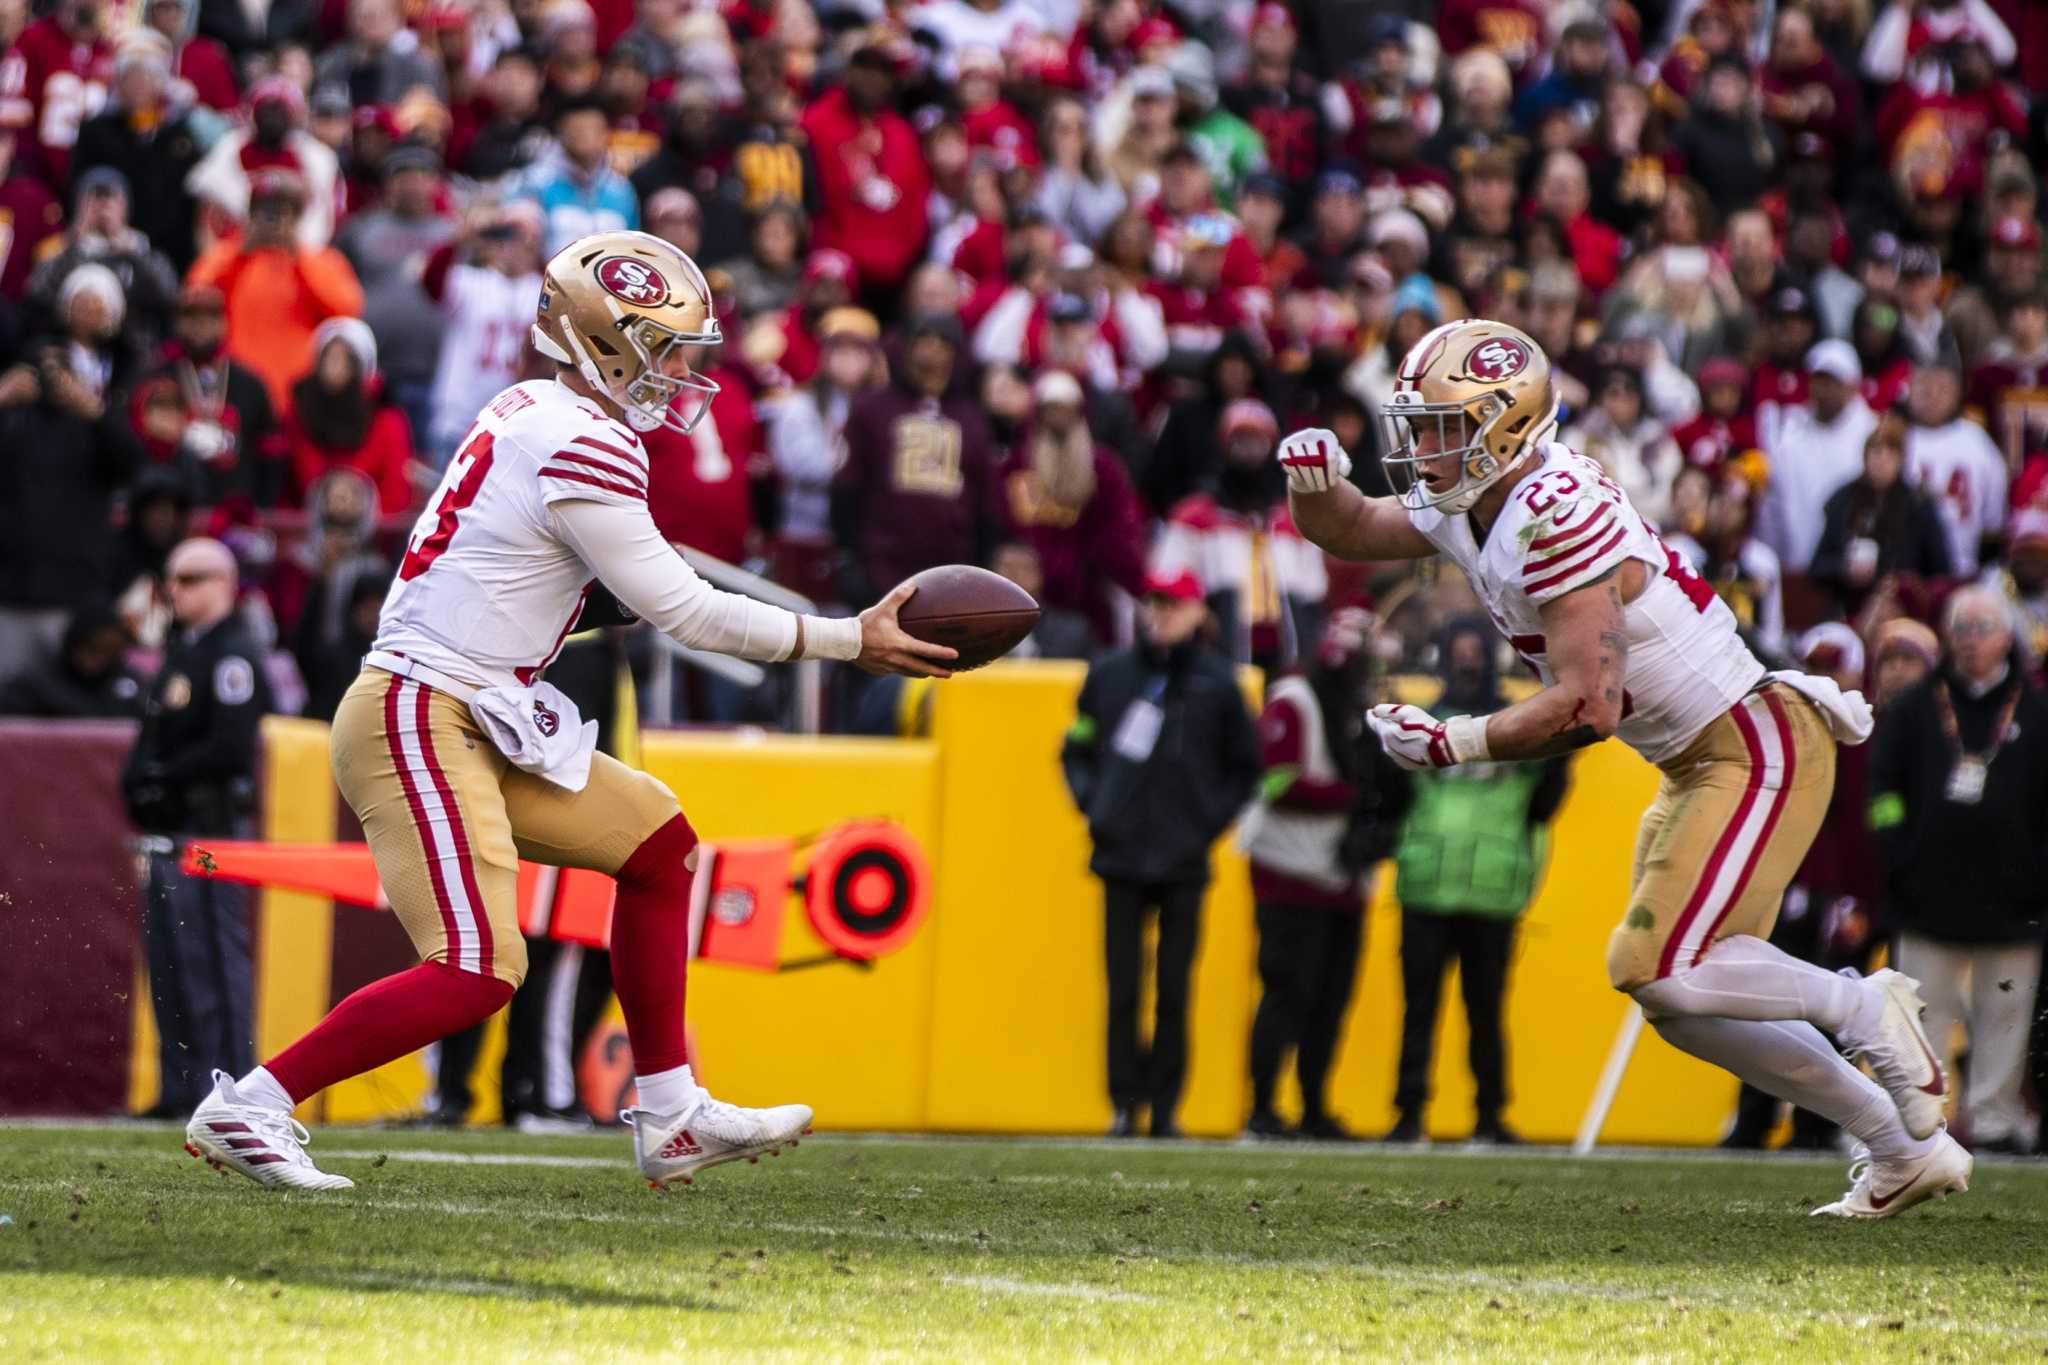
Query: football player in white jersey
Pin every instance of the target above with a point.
(459, 761)
(1628, 642)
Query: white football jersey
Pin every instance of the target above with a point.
(485, 316)
(488, 589)
(1563, 527)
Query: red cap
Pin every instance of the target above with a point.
(2015, 231)
(1182, 586)
(827, 263)
(1275, 14)
(1723, 370)
(1157, 29)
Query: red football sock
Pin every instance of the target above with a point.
(385, 1020)
(651, 946)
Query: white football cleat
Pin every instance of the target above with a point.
(1879, 1189)
(672, 1148)
(267, 1145)
(1901, 1057)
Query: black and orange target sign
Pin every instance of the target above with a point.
(867, 888)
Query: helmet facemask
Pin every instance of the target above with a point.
(648, 399)
(1460, 434)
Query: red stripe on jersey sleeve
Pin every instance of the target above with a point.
(604, 467)
(1573, 570)
(604, 448)
(1544, 563)
(1563, 532)
(571, 476)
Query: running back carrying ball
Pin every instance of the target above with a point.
(981, 614)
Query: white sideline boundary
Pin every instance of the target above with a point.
(1135, 1147)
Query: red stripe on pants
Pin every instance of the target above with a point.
(393, 722)
(1763, 840)
(479, 919)
(1712, 871)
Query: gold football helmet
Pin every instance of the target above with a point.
(1474, 392)
(623, 308)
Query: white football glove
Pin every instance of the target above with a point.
(1314, 461)
(1416, 740)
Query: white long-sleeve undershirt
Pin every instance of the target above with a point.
(620, 543)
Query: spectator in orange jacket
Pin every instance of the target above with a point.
(278, 291)
(340, 418)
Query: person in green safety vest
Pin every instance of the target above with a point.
(1466, 865)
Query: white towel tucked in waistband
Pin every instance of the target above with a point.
(1848, 715)
(540, 730)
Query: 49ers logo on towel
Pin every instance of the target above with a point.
(1496, 359)
(635, 281)
(546, 721)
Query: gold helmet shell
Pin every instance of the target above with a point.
(621, 307)
(1481, 392)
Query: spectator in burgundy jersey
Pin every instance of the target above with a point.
(1723, 429)
(339, 418)
(205, 416)
(1511, 29)
(32, 214)
(1887, 368)
(872, 177)
(1803, 90)
(2011, 386)
(1068, 497)
(917, 486)
(1310, 902)
(45, 81)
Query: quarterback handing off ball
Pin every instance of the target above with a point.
(981, 614)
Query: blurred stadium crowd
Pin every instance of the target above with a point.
(1028, 283)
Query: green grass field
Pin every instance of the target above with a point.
(493, 1246)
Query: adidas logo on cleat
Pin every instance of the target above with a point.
(681, 1145)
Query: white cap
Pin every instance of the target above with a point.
(1056, 387)
(1837, 358)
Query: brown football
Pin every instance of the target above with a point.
(981, 614)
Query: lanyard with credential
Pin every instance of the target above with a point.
(1966, 779)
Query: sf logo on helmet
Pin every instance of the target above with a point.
(636, 282)
(1499, 358)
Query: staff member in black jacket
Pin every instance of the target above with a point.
(1959, 805)
(1160, 759)
(193, 772)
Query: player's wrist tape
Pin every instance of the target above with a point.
(1467, 737)
(831, 637)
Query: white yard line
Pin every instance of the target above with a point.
(1001, 1285)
